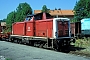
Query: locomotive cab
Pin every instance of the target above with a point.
(29, 17)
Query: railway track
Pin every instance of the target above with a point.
(23, 52)
(72, 49)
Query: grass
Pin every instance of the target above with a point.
(85, 42)
(84, 45)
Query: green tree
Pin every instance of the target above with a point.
(4, 20)
(22, 10)
(19, 15)
(10, 19)
(45, 9)
(82, 10)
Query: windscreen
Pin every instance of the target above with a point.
(63, 28)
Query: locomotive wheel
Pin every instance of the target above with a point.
(12, 40)
(20, 41)
(41, 45)
(0, 39)
(9, 40)
(31, 43)
(56, 45)
(64, 48)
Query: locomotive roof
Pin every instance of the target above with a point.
(39, 14)
(30, 15)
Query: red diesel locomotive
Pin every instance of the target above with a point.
(42, 30)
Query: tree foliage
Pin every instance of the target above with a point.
(10, 19)
(19, 14)
(22, 10)
(4, 20)
(82, 10)
(45, 9)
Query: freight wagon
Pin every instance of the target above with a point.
(75, 29)
(44, 31)
(81, 29)
(3, 35)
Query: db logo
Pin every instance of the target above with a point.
(29, 29)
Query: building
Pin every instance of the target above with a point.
(2, 26)
(59, 13)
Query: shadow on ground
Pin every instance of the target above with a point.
(73, 48)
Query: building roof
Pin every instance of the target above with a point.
(57, 12)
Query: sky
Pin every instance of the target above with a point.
(7, 6)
